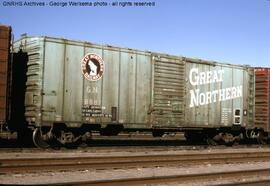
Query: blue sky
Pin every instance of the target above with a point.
(231, 31)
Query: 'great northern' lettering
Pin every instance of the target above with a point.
(198, 98)
(200, 78)
(203, 98)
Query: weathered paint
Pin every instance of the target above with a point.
(220, 96)
(137, 88)
(168, 91)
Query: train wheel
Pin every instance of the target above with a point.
(261, 139)
(37, 139)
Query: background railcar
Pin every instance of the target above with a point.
(262, 92)
(5, 38)
(6, 132)
(73, 88)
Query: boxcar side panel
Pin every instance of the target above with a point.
(215, 108)
(143, 88)
(110, 82)
(92, 90)
(127, 87)
(226, 105)
(202, 111)
(73, 83)
(53, 81)
(201, 108)
(238, 107)
(214, 94)
(191, 110)
(124, 85)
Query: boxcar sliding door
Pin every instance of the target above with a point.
(168, 84)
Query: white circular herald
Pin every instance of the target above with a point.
(92, 67)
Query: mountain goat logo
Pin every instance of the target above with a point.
(92, 67)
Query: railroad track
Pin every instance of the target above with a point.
(153, 167)
(81, 161)
(225, 178)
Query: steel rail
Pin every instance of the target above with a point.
(185, 179)
(81, 162)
